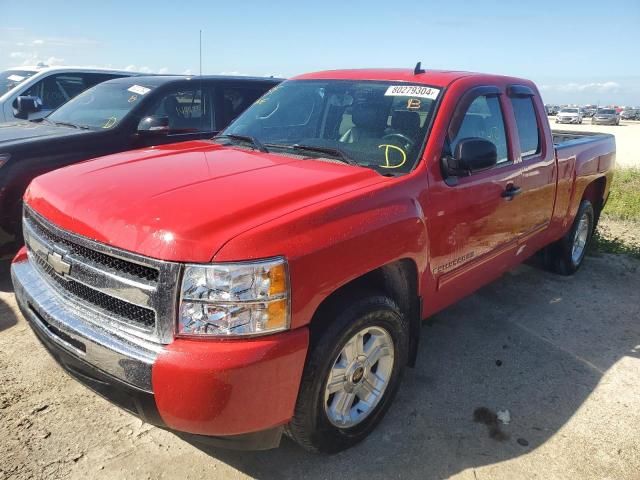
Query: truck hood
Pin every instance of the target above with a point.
(15, 133)
(183, 202)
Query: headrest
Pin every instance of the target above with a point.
(405, 121)
(370, 116)
(171, 105)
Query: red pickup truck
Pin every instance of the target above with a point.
(274, 279)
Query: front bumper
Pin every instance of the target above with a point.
(235, 394)
(568, 120)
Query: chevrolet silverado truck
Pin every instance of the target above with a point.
(273, 279)
(111, 117)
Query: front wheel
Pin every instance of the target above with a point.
(567, 254)
(352, 374)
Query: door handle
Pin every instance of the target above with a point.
(511, 191)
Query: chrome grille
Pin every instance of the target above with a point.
(113, 264)
(133, 314)
(119, 290)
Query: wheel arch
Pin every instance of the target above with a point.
(398, 280)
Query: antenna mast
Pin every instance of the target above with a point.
(200, 52)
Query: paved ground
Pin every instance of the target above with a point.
(627, 138)
(561, 354)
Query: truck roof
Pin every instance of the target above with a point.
(46, 68)
(438, 78)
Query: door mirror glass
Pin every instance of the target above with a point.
(475, 154)
(154, 125)
(26, 105)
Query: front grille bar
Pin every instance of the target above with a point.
(138, 292)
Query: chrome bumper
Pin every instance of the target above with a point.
(66, 326)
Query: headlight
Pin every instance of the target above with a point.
(4, 158)
(235, 299)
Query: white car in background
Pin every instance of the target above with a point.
(569, 115)
(28, 93)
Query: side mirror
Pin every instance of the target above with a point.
(471, 155)
(155, 125)
(26, 105)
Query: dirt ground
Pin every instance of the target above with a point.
(627, 138)
(562, 354)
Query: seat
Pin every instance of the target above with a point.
(473, 125)
(171, 108)
(369, 120)
(405, 122)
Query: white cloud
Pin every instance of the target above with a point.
(187, 72)
(163, 70)
(38, 42)
(592, 87)
(17, 55)
(51, 61)
(144, 69)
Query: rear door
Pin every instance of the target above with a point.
(537, 187)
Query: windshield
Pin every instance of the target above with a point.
(11, 78)
(102, 106)
(381, 125)
(606, 112)
(569, 110)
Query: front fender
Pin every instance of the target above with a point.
(336, 241)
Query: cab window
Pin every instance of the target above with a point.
(527, 125)
(188, 111)
(58, 89)
(483, 119)
(235, 101)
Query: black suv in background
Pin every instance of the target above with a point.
(115, 116)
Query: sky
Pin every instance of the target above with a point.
(576, 51)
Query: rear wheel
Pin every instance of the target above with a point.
(352, 374)
(567, 254)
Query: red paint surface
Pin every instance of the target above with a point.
(229, 387)
(198, 202)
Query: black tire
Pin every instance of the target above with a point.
(310, 426)
(559, 255)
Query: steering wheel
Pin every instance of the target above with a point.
(406, 141)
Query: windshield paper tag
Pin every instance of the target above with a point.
(412, 91)
(138, 89)
(15, 78)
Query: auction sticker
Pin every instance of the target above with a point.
(412, 91)
(138, 89)
(15, 78)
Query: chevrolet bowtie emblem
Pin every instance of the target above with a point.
(56, 261)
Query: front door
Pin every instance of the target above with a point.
(475, 221)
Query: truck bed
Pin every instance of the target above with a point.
(562, 138)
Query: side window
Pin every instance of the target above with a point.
(527, 124)
(484, 119)
(57, 89)
(188, 111)
(236, 100)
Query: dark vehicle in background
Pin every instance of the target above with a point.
(589, 110)
(606, 116)
(28, 93)
(115, 116)
(630, 114)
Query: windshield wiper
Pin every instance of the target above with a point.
(68, 124)
(245, 138)
(334, 152)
